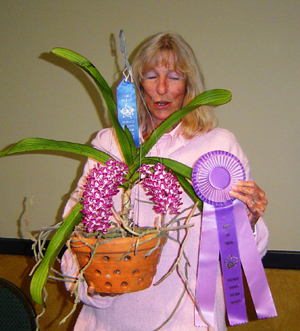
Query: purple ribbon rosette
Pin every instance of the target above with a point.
(226, 232)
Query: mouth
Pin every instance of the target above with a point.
(162, 104)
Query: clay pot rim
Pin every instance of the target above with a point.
(117, 245)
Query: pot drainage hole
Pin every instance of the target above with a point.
(135, 272)
(124, 284)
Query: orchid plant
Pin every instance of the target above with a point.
(162, 178)
(102, 184)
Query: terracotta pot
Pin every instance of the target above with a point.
(116, 267)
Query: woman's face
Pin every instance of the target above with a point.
(164, 91)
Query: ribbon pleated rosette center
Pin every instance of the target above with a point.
(226, 232)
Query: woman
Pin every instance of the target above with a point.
(167, 78)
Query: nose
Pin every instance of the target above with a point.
(162, 86)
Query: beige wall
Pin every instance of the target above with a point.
(249, 47)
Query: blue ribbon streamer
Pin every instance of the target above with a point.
(127, 110)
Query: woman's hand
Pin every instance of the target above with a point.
(253, 197)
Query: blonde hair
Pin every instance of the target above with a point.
(157, 51)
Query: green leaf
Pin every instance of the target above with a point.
(40, 144)
(133, 148)
(40, 276)
(188, 188)
(106, 92)
(181, 171)
(175, 166)
(87, 66)
(212, 97)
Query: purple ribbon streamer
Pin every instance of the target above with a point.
(252, 265)
(217, 224)
(207, 267)
(231, 265)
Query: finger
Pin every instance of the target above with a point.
(253, 197)
(249, 188)
(91, 290)
(253, 201)
(255, 213)
(240, 196)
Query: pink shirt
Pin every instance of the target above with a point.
(148, 309)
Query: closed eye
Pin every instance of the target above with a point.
(173, 75)
(150, 75)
